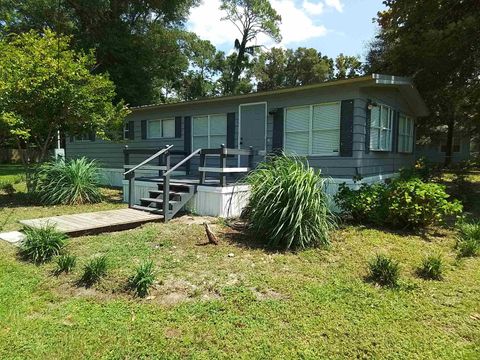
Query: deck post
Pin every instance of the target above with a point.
(250, 158)
(165, 162)
(202, 174)
(166, 197)
(131, 189)
(223, 165)
(126, 156)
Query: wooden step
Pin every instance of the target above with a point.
(173, 194)
(148, 209)
(171, 203)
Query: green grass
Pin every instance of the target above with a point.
(256, 304)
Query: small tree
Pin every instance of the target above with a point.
(45, 87)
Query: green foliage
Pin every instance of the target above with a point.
(416, 204)
(383, 271)
(65, 263)
(45, 87)
(400, 204)
(431, 268)
(7, 188)
(288, 206)
(41, 244)
(69, 182)
(422, 170)
(468, 239)
(143, 278)
(94, 270)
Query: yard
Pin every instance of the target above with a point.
(236, 300)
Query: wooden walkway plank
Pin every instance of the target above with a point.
(95, 222)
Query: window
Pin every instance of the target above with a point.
(405, 134)
(163, 128)
(381, 128)
(209, 131)
(126, 130)
(313, 130)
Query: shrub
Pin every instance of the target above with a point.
(41, 244)
(7, 188)
(416, 204)
(364, 204)
(401, 203)
(431, 268)
(468, 240)
(69, 182)
(422, 170)
(143, 279)
(65, 263)
(288, 206)
(383, 271)
(94, 270)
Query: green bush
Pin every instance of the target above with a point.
(415, 204)
(468, 240)
(65, 263)
(431, 268)
(94, 270)
(41, 244)
(70, 182)
(399, 204)
(383, 271)
(143, 279)
(422, 170)
(288, 206)
(7, 188)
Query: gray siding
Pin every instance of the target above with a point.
(110, 155)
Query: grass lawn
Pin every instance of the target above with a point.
(254, 304)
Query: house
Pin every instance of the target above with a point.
(435, 150)
(360, 129)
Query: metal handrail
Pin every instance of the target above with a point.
(157, 154)
(167, 173)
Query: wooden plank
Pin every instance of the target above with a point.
(110, 220)
(224, 170)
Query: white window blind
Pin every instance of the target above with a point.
(405, 134)
(313, 130)
(381, 122)
(163, 128)
(209, 131)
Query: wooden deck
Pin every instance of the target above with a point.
(95, 222)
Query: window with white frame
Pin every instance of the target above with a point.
(126, 130)
(381, 122)
(405, 134)
(162, 128)
(209, 131)
(313, 129)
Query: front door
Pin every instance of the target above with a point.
(253, 120)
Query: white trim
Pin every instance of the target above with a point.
(240, 125)
(146, 167)
(224, 170)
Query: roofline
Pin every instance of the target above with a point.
(405, 84)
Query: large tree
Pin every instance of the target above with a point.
(45, 87)
(435, 42)
(135, 41)
(251, 18)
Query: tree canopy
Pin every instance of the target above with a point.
(46, 87)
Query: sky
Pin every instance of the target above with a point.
(330, 26)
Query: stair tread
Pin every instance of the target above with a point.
(157, 200)
(149, 209)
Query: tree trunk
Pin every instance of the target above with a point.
(449, 149)
(238, 64)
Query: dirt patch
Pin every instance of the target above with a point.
(194, 220)
(267, 294)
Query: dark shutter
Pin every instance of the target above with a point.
(277, 135)
(131, 130)
(346, 128)
(187, 131)
(92, 136)
(178, 126)
(414, 142)
(395, 127)
(231, 130)
(144, 129)
(72, 138)
(368, 121)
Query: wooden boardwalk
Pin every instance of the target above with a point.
(95, 222)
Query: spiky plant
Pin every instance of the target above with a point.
(468, 239)
(69, 182)
(41, 244)
(94, 270)
(288, 207)
(65, 263)
(431, 268)
(143, 278)
(384, 271)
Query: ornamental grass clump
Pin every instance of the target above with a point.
(65, 264)
(71, 182)
(468, 239)
(41, 244)
(94, 270)
(431, 268)
(143, 278)
(288, 207)
(383, 271)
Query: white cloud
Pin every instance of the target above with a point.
(297, 24)
(336, 4)
(312, 8)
